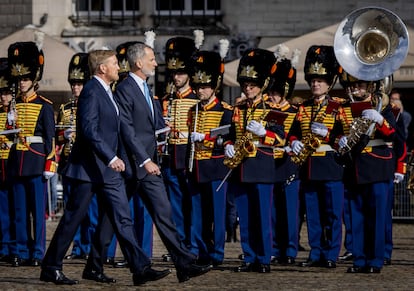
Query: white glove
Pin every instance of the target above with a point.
(398, 178)
(47, 175)
(297, 146)
(287, 149)
(373, 115)
(319, 129)
(11, 117)
(343, 141)
(229, 151)
(68, 133)
(256, 128)
(196, 136)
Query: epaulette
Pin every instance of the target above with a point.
(339, 100)
(45, 99)
(226, 105)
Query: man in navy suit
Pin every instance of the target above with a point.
(139, 119)
(94, 167)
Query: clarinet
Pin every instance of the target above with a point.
(13, 109)
(72, 121)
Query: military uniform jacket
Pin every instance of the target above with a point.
(5, 143)
(376, 162)
(176, 110)
(34, 152)
(323, 164)
(258, 167)
(66, 119)
(209, 154)
(285, 169)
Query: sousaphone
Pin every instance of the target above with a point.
(371, 43)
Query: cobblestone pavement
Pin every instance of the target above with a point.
(398, 276)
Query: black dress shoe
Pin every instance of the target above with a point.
(330, 264)
(97, 276)
(347, 256)
(263, 268)
(372, 270)
(290, 261)
(109, 261)
(76, 257)
(121, 264)
(246, 267)
(166, 258)
(57, 277)
(149, 274)
(192, 271)
(18, 262)
(310, 263)
(387, 262)
(35, 262)
(355, 270)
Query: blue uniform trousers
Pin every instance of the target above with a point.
(254, 205)
(388, 221)
(324, 205)
(285, 219)
(208, 216)
(368, 207)
(31, 194)
(176, 185)
(347, 222)
(5, 208)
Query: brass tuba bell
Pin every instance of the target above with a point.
(371, 43)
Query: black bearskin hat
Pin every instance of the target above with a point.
(5, 83)
(256, 65)
(121, 54)
(321, 62)
(178, 52)
(284, 78)
(79, 68)
(26, 61)
(207, 68)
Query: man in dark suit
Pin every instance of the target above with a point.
(139, 118)
(94, 167)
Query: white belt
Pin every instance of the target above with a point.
(376, 142)
(182, 134)
(33, 139)
(324, 148)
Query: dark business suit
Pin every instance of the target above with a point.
(138, 133)
(96, 145)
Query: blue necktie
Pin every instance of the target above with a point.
(148, 97)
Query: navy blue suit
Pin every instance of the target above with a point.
(138, 127)
(96, 145)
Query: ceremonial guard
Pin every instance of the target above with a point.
(312, 137)
(210, 121)
(371, 147)
(367, 189)
(176, 104)
(285, 219)
(251, 156)
(6, 141)
(78, 75)
(32, 157)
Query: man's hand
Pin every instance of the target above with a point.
(319, 129)
(47, 175)
(229, 151)
(343, 141)
(118, 165)
(152, 168)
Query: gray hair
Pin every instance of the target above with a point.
(136, 52)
